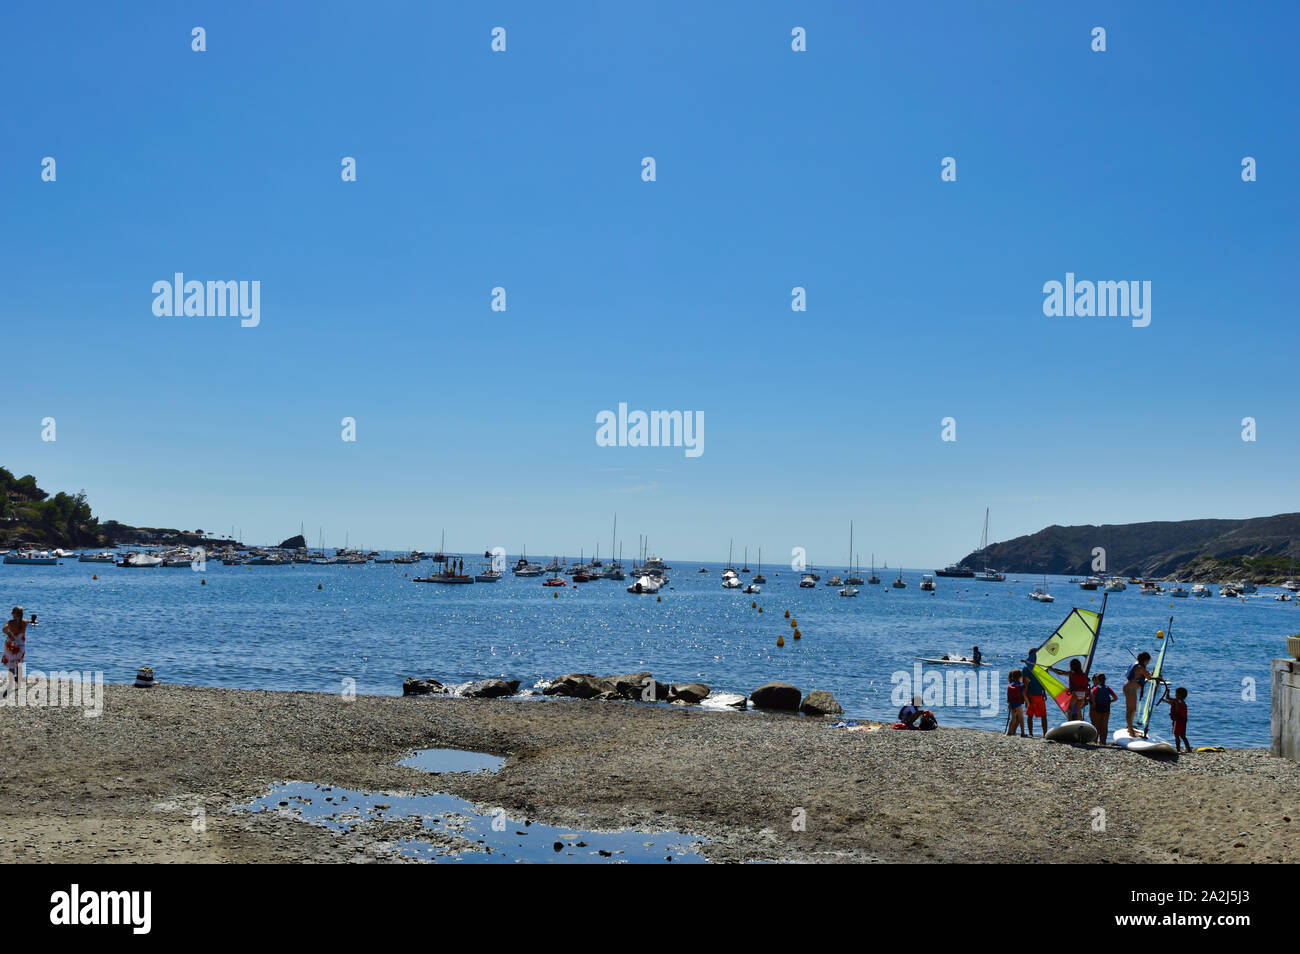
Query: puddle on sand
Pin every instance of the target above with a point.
(493, 838)
(439, 761)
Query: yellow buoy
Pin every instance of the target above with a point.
(94, 576)
(780, 640)
(787, 614)
(794, 624)
(798, 635)
(760, 609)
(1160, 634)
(556, 595)
(753, 604)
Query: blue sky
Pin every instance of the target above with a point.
(522, 169)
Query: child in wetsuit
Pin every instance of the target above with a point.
(1102, 696)
(1016, 704)
(1178, 713)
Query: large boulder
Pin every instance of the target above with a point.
(820, 703)
(492, 688)
(422, 687)
(777, 695)
(689, 694)
(635, 686)
(578, 685)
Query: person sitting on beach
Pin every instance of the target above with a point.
(1102, 696)
(1016, 704)
(15, 651)
(1035, 695)
(1134, 680)
(908, 715)
(1178, 713)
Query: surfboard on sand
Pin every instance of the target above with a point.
(1151, 745)
(1076, 731)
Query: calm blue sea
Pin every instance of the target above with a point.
(271, 628)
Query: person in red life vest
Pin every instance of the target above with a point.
(1102, 696)
(1178, 712)
(1015, 704)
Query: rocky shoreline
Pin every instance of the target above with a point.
(639, 687)
(129, 785)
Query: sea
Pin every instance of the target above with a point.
(366, 628)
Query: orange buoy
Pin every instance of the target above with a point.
(203, 582)
(780, 640)
(760, 609)
(94, 576)
(659, 599)
(319, 586)
(794, 624)
(753, 604)
(787, 614)
(798, 635)
(556, 595)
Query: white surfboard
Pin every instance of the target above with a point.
(1076, 731)
(1151, 745)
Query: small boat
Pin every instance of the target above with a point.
(808, 581)
(1283, 597)
(1228, 590)
(1200, 590)
(703, 569)
(953, 569)
(32, 558)
(753, 588)
(104, 556)
(949, 660)
(834, 581)
(986, 575)
(759, 577)
(524, 568)
(139, 561)
(1115, 585)
(1179, 593)
(1245, 587)
(849, 591)
(1091, 583)
(646, 584)
(1291, 585)
(927, 582)
(900, 583)
(1041, 595)
(489, 574)
(873, 579)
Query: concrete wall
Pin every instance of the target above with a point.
(1286, 709)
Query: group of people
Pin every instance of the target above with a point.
(1027, 699)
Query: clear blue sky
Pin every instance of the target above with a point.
(775, 169)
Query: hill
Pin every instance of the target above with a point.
(1262, 549)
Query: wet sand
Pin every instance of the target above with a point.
(126, 786)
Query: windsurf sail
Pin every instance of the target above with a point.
(1075, 638)
(1154, 687)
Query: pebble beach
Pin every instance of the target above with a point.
(128, 784)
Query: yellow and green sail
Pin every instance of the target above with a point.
(1075, 638)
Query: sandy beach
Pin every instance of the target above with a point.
(124, 786)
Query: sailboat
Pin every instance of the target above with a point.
(899, 583)
(849, 589)
(853, 575)
(986, 575)
(873, 578)
(759, 577)
(730, 579)
(1075, 638)
(615, 569)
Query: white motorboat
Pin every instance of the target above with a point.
(850, 591)
(808, 581)
(646, 584)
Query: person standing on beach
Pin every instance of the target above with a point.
(1178, 713)
(1134, 680)
(1102, 696)
(1016, 705)
(1035, 696)
(15, 651)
